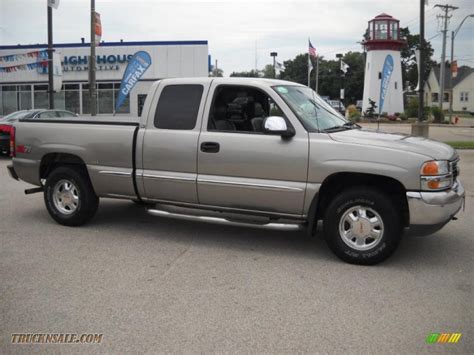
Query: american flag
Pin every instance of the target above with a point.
(311, 50)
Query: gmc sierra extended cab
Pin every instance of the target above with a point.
(254, 152)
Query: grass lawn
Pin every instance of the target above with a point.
(461, 144)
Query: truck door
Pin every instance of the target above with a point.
(169, 160)
(241, 167)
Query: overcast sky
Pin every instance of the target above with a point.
(236, 30)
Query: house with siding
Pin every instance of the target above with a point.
(460, 88)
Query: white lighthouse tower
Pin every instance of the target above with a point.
(383, 39)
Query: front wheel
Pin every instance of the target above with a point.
(69, 196)
(362, 226)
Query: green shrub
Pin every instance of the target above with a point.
(370, 112)
(438, 114)
(412, 109)
(402, 116)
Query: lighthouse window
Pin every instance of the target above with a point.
(380, 75)
(396, 86)
(394, 30)
(381, 30)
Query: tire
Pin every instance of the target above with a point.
(69, 196)
(362, 225)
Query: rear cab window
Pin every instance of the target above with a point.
(178, 107)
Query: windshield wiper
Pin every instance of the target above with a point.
(334, 129)
(347, 125)
(351, 125)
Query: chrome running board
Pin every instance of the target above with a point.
(224, 221)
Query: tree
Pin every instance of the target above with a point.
(246, 74)
(409, 65)
(296, 69)
(330, 75)
(268, 71)
(217, 73)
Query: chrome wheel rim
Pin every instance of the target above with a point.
(361, 228)
(66, 197)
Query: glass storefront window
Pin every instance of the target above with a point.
(9, 101)
(59, 100)
(25, 100)
(86, 101)
(41, 99)
(72, 100)
(106, 101)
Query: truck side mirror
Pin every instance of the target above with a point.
(277, 125)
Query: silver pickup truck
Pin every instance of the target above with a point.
(254, 152)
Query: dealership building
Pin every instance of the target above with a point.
(26, 86)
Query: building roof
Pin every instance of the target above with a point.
(463, 73)
(108, 44)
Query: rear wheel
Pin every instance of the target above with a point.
(69, 196)
(362, 226)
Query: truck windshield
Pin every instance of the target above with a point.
(315, 113)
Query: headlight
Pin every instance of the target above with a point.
(436, 175)
(435, 167)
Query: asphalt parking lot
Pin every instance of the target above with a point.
(158, 285)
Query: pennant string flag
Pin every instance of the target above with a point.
(15, 57)
(28, 66)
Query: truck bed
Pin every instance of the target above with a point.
(105, 144)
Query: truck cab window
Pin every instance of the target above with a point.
(240, 109)
(178, 107)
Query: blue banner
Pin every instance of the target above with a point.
(386, 74)
(136, 67)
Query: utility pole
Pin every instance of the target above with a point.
(92, 69)
(50, 57)
(421, 66)
(442, 69)
(453, 36)
(216, 69)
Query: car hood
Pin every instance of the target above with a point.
(399, 141)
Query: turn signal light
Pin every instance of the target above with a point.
(435, 167)
(430, 168)
(433, 184)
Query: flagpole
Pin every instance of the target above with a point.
(316, 87)
(309, 70)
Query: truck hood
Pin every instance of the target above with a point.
(435, 150)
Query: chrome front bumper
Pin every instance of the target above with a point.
(435, 209)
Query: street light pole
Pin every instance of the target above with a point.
(92, 88)
(50, 58)
(453, 36)
(274, 55)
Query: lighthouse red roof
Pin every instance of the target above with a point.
(383, 33)
(384, 16)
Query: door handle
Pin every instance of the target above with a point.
(210, 147)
